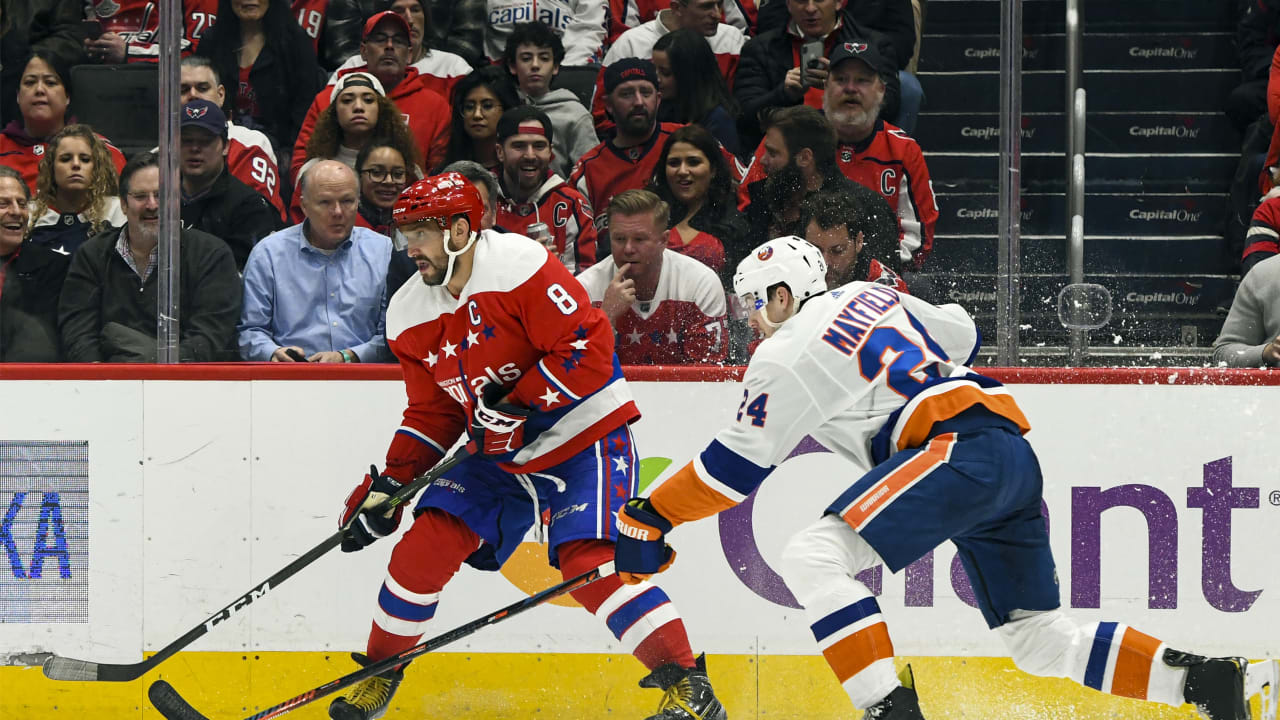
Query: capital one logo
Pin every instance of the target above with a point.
(1215, 500)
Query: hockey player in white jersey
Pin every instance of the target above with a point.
(881, 378)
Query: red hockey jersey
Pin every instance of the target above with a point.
(566, 214)
(252, 161)
(139, 20)
(521, 321)
(23, 153)
(426, 113)
(1264, 228)
(890, 162)
(683, 323)
(310, 15)
(704, 247)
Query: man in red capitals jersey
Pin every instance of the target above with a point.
(500, 342)
(626, 160)
(385, 50)
(250, 157)
(530, 193)
(666, 308)
(129, 28)
(872, 152)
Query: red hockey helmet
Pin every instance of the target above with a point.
(439, 198)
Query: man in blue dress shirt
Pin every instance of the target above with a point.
(317, 291)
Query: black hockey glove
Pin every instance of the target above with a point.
(364, 527)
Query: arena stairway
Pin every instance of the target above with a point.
(1159, 157)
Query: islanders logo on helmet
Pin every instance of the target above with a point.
(765, 253)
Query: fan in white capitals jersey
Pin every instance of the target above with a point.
(500, 342)
(881, 378)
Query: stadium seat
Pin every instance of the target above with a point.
(119, 102)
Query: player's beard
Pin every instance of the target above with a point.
(434, 275)
(781, 186)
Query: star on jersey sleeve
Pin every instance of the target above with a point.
(575, 336)
(433, 421)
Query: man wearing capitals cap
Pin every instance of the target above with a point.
(871, 152)
(876, 154)
(769, 71)
(385, 49)
(213, 200)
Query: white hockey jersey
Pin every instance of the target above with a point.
(581, 25)
(865, 370)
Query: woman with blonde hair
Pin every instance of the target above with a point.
(358, 114)
(76, 191)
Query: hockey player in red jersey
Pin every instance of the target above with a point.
(500, 342)
(881, 379)
(530, 193)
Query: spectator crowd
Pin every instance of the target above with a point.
(648, 144)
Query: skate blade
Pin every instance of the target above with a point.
(1263, 679)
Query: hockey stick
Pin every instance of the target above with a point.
(64, 668)
(173, 707)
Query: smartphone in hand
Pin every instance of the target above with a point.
(92, 29)
(811, 54)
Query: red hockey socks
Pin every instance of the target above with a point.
(642, 617)
(422, 563)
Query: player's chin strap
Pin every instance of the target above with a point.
(453, 254)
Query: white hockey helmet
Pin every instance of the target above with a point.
(790, 260)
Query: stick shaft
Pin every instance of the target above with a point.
(60, 668)
(436, 643)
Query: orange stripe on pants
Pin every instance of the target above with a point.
(853, 654)
(1133, 664)
(890, 485)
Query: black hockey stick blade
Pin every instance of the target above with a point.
(57, 667)
(170, 703)
(174, 707)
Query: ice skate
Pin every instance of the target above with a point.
(688, 693)
(369, 698)
(1220, 688)
(901, 704)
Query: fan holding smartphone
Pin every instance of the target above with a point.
(809, 73)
